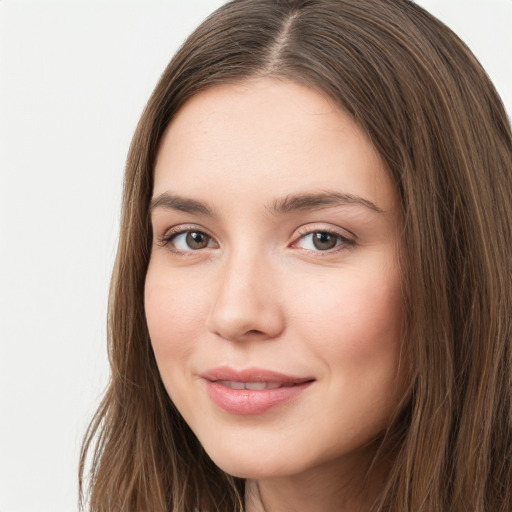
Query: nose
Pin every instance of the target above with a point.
(247, 302)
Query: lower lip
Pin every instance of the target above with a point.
(247, 401)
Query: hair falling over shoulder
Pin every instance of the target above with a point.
(436, 120)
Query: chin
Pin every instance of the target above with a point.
(253, 464)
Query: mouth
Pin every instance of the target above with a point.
(252, 391)
(252, 378)
(255, 386)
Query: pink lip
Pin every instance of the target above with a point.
(249, 401)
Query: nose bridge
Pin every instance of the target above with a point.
(245, 302)
(242, 267)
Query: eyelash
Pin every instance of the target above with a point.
(166, 240)
(343, 242)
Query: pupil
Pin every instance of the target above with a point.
(324, 241)
(197, 240)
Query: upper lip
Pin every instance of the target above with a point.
(225, 373)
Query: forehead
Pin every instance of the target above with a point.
(268, 136)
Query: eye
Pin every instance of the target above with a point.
(189, 240)
(322, 241)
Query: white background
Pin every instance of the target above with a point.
(74, 77)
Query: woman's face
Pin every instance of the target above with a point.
(273, 292)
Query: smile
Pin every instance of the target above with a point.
(252, 391)
(254, 386)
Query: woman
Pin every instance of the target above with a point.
(310, 308)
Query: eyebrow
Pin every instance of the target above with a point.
(169, 201)
(328, 198)
(288, 204)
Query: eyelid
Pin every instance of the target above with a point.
(171, 233)
(347, 238)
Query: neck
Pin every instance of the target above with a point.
(263, 497)
(323, 489)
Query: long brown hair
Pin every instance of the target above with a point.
(439, 125)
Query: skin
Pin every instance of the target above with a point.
(260, 293)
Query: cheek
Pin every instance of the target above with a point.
(354, 330)
(354, 324)
(365, 300)
(173, 312)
